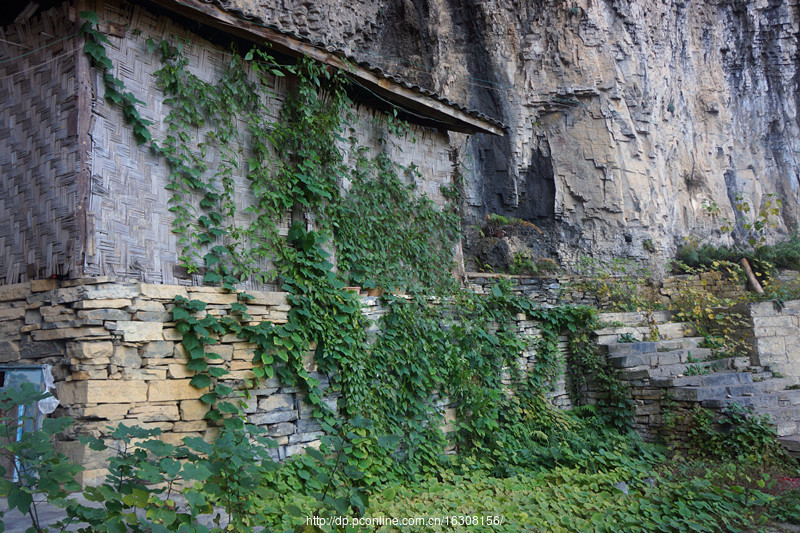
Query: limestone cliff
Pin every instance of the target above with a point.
(625, 117)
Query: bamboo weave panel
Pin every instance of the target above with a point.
(38, 148)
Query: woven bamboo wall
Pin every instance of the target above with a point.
(39, 233)
(129, 225)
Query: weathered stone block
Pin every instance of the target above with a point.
(41, 285)
(106, 411)
(162, 292)
(176, 439)
(96, 391)
(179, 371)
(81, 454)
(143, 304)
(263, 419)
(90, 350)
(144, 374)
(153, 316)
(773, 321)
(33, 316)
(193, 410)
(175, 389)
(112, 291)
(268, 298)
(172, 334)
(84, 374)
(126, 357)
(157, 349)
(305, 437)
(104, 314)
(13, 313)
(114, 303)
(11, 328)
(140, 331)
(69, 333)
(770, 347)
(17, 291)
(155, 413)
(241, 365)
(277, 402)
(294, 449)
(304, 425)
(217, 298)
(281, 429)
(9, 351)
(194, 425)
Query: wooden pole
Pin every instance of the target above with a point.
(754, 284)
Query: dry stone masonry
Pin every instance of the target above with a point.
(117, 358)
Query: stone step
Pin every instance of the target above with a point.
(716, 379)
(671, 345)
(773, 384)
(683, 369)
(701, 394)
(637, 318)
(792, 444)
(722, 403)
(789, 413)
(739, 364)
(787, 427)
(671, 330)
(775, 399)
(659, 359)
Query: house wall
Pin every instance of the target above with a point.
(117, 358)
(39, 192)
(130, 225)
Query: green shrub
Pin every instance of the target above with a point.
(786, 507)
(40, 472)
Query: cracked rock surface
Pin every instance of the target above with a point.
(624, 117)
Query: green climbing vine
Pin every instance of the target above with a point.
(115, 93)
(441, 348)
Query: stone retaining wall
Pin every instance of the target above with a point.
(776, 336)
(117, 358)
(564, 289)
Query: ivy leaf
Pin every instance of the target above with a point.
(217, 371)
(179, 313)
(212, 278)
(200, 381)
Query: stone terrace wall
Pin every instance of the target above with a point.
(117, 358)
(563, 289)
(776, 336)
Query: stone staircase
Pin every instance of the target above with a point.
(666, 363)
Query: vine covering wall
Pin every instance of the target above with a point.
(132, 219)
(242, 171)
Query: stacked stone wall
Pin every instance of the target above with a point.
(776, 336)
(567, 289)
(117, 358)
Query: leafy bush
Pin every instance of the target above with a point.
(522, 263)
(566, 499)
(786, 507)
(734, 435)
(39, 471)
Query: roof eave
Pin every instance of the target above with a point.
(404, 97)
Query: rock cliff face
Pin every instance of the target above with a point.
(624, 117)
